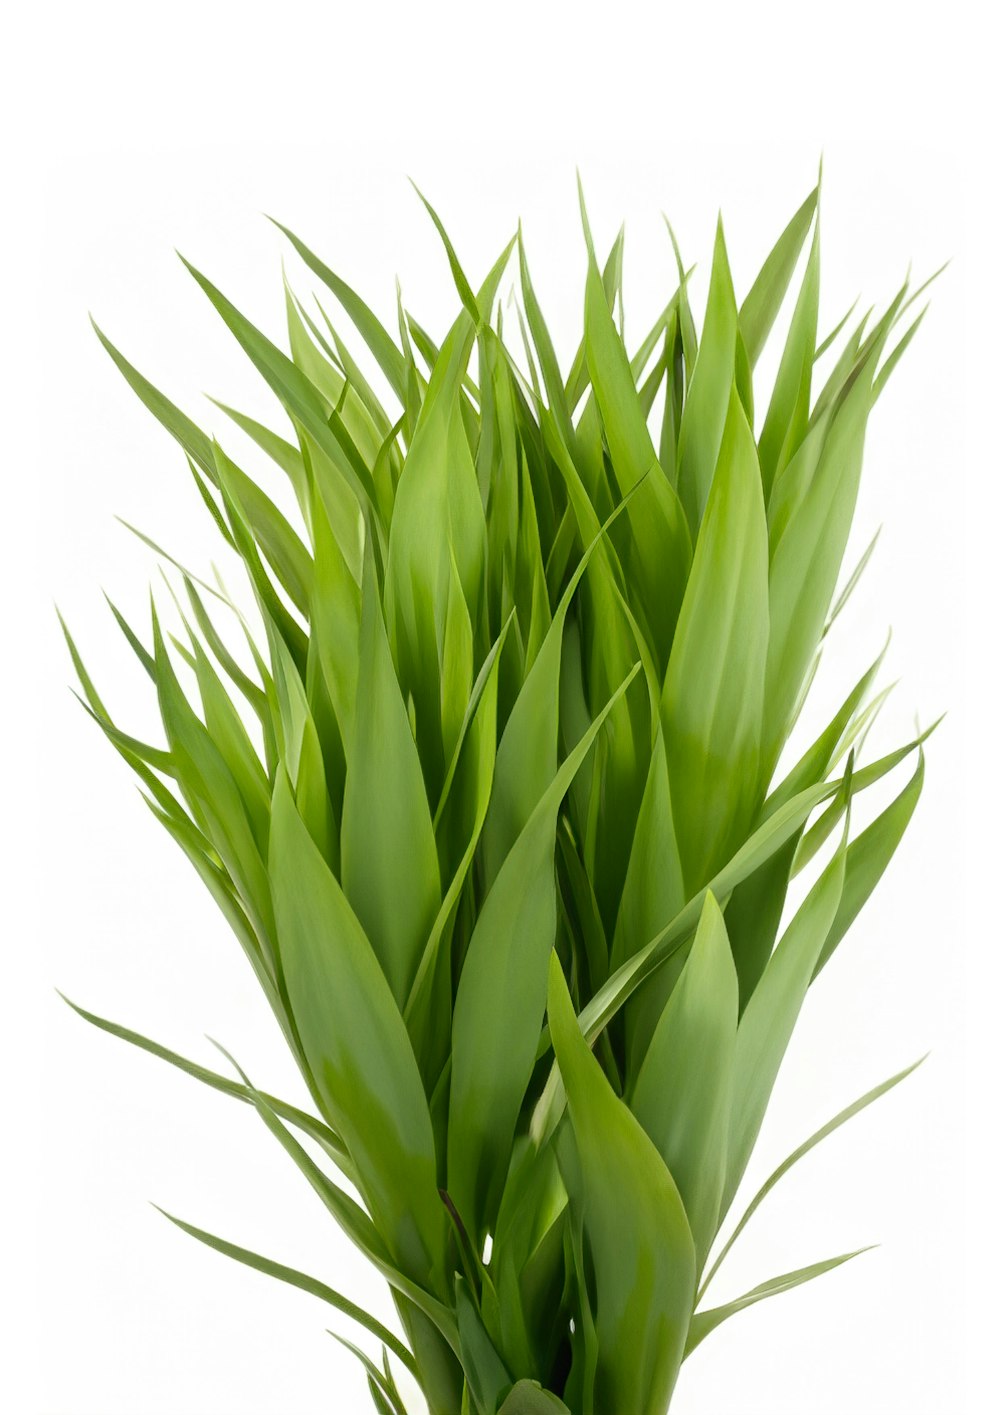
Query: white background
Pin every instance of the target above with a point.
(132, 130)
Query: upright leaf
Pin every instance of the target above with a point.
(760, 308)
(714, 685)
(705, 414)
(770, 1016)
(658, 551)
(501, 1001)
(390, 867)
(357, 1047)
(682, 1093)
(639, 1239)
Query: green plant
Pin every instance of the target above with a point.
(491, 796)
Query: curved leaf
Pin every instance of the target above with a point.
(704, 1323)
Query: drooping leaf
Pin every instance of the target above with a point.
(298, 1279)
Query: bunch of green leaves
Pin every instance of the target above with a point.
(495, 798)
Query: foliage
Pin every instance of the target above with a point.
(493, 795)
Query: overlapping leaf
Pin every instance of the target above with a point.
(417, 782)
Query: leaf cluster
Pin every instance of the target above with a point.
(489, 784)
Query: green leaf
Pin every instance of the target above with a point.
(458, 274)
(659, 549)
(472, 767)
(438, 513)
(787, 416)
(348, 1214)
(379, 341)
(764, 842)
(705, 414)
(754, 911)
(335, 620)
(385, 1397)
(682, 1092)
(485, 1373)
(178, 424)
(390, 867)
(704, 1323)
(713, 690)
(526, 757)
(868, 858)
(652, 896)
(357, 1047)
(760, 308)
(805, 562)
(816, 761)
(284, 454)
(295, 392)
(554, 385)
(301, 1280)
(841, 1118)
(771, 1013)
(528, 1398)
(500, 1000)
(640, 1243)
(211, 791)
(308, 1124)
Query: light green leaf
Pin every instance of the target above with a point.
(705, 414)
(787, 416)
(377, 338)
(760, 308)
